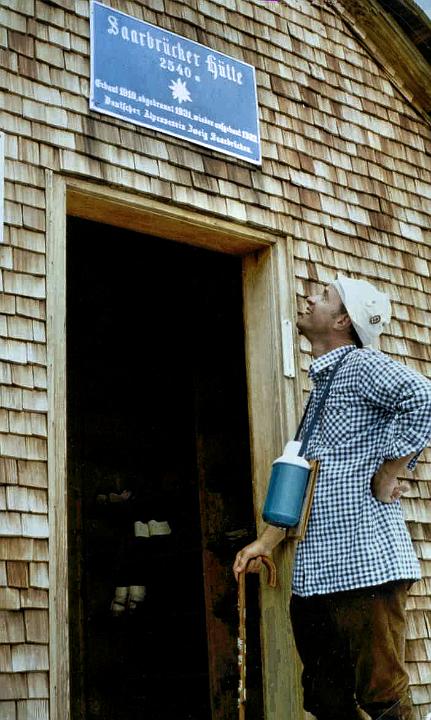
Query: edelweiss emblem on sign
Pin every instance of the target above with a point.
(179, 91)
(375, 319)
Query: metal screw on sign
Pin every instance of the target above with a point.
(242, 647)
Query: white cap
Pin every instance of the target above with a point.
(369, 309)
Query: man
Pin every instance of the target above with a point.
(354, 567)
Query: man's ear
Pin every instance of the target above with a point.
(343, 322)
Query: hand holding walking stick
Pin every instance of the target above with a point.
(272, 580)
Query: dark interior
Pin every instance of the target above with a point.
(157, 406)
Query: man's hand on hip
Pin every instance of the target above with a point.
(385, 485)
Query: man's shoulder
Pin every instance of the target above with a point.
(363, 357)
(369, 361)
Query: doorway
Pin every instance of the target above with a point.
(157, 431)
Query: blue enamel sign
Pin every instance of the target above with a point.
(160, 80)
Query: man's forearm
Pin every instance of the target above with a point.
(271, 537)
(249, 557)
(395, 467)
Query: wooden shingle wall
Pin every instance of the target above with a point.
(346, 175)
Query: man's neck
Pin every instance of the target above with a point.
(322, 346)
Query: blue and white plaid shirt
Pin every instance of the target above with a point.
(377, 409)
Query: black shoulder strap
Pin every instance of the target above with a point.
(318, 410)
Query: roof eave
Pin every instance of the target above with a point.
(391, 47)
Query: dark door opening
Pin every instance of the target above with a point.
(159, 489)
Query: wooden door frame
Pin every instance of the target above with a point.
(269, 297)
(274, 406)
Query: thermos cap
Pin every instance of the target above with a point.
(290, 455)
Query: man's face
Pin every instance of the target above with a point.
(320, 314)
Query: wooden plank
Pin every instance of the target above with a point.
(19, 423)
(9, 599)
(10, 524)
(268, 298)
(35, 526)
(36, 626)
(38, 686)
(298, 532)
(33, 710)
(56, 344)
(17, 574)
(5, 658)
(13, 686)
(152, 217)
(34, 599)
(29, 657)
(11, 627)
(225, 500)
(8, 710)
(8, 471)
(32, 473)
(39, 575)
(22, 375)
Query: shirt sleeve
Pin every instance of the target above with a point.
(406, 395)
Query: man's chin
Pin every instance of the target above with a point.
(301, 325)
(301, 320)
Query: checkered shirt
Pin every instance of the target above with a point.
(377, 409)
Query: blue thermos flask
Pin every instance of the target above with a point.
(290, 472)
(287, 486)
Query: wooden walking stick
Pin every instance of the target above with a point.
(242, 649)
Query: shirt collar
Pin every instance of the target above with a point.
(327, 361)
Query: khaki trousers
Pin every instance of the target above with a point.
(352, 648)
